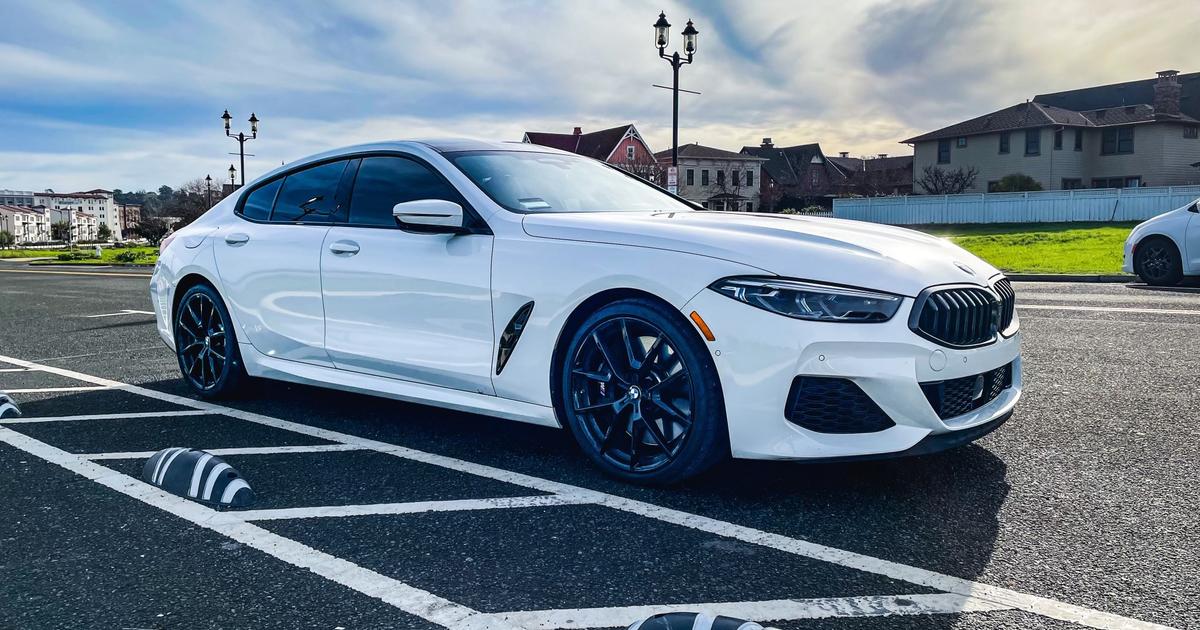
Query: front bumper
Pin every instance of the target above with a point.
(758, 355)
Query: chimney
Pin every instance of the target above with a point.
(843, 153)
(1167, 91)
(767, 144)
(882, 155)
(578, 131)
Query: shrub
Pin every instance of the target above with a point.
(128, 256)
(75, 255)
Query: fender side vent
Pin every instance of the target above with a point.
(512, 334)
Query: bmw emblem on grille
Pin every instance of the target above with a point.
(965, 268)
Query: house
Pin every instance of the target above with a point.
(717, 179)
(131, 216)
(876, 176)
(793, 177)
(97, 204)
(622, 147)
(1139, 133)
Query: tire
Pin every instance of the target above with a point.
(640, 394)
(206, 344)
(1157, 262)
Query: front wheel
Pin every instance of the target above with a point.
(641, 396)
(206, 344)
(1157, 261)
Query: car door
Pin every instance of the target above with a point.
(270, 262)
(407, 305)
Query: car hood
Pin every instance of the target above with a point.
(837, 251)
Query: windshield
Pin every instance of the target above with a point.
(549, 182)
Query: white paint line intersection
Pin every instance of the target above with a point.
(973, 594)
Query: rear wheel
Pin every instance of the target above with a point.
(206, 344)
(641, 394)
(1157, 262)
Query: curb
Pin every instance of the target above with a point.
(1064, 277)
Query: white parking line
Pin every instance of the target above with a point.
(105, 416)
(1107, 309)
(989, 594)
(416, 507)
(122, 312)
(770, 610)
(248, 450)
(50, 390)
(15, 370)
(407, 598)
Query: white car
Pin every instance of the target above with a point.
(531, 284)
(1164, 249)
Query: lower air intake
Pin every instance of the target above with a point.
(834, 405)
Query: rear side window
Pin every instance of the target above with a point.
(258, 203)
(383, 182)
(310, 195)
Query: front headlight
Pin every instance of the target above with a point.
(809, 300)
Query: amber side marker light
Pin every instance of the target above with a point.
(704, 329)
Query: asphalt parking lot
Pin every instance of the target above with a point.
(1080, 512)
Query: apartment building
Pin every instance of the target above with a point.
(1139, 133)
(97, 204)
(26, 224)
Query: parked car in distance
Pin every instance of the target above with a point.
(531, 284)
(1164, 249)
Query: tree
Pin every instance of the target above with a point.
(936, 181)
(60, 230)
(6, 239)
(1016, 182)
(152, 229)
(103, 233)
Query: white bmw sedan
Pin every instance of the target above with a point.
(530, 284)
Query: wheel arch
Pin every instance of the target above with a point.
(581, 312)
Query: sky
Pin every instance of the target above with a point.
(125, 94)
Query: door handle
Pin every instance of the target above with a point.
(343, 248)
(237, 238)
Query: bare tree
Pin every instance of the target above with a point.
(936, 181)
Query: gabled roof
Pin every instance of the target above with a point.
(597, 144)
(786, 165)
(1029, 115)
(1139, 92)
(853, 165)
(700, 151)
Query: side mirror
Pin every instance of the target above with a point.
(435, 216)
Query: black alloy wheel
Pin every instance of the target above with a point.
(1157, 262)
(205, 343)
(641, 396)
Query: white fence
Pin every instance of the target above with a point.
(1105, 204)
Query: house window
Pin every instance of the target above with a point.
(1117, 182)
(1191, 132)
(1058, 134)
(749, 178)
(1078, 139)
(737, 181)
(1033, 142)
(961, 142)
(691, 177)
(1116, 140)
(1004, 142)
(816, 178)
(749, 206)
(630, 152)
(720, 178)
(943, 151)
(703, 177)
(1072, 183)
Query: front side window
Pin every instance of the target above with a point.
(1033, 142)
(259, 202)
(382, 182)
(943, 152)
(526, 181)
(310, 194)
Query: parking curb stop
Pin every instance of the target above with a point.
(199, 476)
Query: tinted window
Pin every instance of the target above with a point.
(258, 203)
(310, 194)
(383, 182)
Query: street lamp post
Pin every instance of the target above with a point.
(208, 191)
(232, 175)
(241, 139)
(661, 36)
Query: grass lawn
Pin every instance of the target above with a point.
(1084, 248)
(108, 256)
